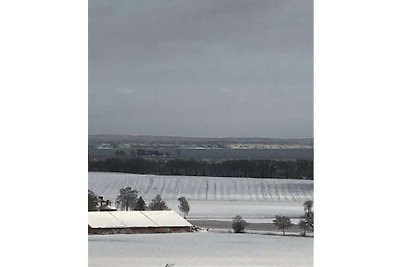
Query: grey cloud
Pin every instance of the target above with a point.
(201, 68)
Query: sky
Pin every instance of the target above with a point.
(219, 68)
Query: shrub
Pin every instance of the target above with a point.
(239, 224)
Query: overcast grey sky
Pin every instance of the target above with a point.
(201, 68)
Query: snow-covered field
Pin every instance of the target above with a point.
(213, 197)
(257, 200)
(200, 249)
(202, 188)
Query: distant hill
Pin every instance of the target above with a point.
(108, 145)
(105, 138)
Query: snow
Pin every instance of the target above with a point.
(200, 249)
(202, 188)
(250, 220)
(108, 219)
(166, 218)
(247, 209)
(103, 219)
(213, 197)
(217, 198)
(132, 218)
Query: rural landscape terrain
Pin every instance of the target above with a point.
(200, 146)
(212, 197)
(281, 189)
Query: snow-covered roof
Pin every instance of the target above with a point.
(103, 219)
(125, 219)
(166, 218)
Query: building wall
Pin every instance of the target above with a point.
(137, 230)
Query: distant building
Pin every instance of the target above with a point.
(135, 222)
(105, 205)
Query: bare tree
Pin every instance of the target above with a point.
(307, 221)
(282, 222)
(184, 206)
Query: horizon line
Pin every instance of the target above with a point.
(177, 136)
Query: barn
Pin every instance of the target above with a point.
(136, 222)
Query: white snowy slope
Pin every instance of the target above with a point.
(212, 197)
(202, 188)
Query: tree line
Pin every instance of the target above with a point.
(293, 169)
(128, 200)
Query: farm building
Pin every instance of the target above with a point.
(135, 222)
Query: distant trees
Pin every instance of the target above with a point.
(127, 198)
(282, 222)
(121, 153)
(296, 169)
(157, 203)
(238, 224)
(140, 204)
(92, 201)
(184, 206)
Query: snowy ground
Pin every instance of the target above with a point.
(248, 219)
(213, 197)
(200, 249)
(247, 209)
